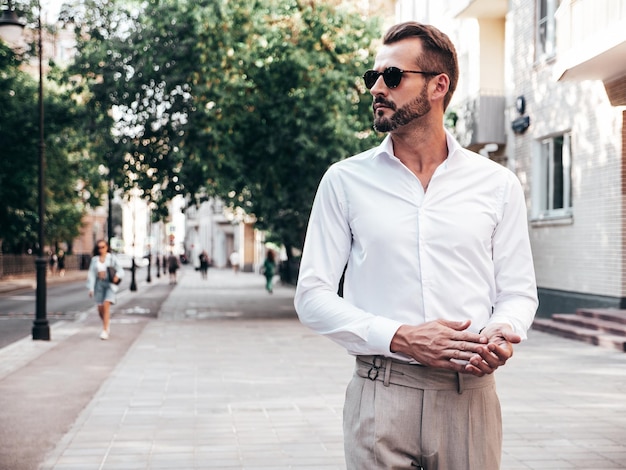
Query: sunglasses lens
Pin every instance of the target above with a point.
(392, 77)
(370, 78)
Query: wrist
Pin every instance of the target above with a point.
(399, 341)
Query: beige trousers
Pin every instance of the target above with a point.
(401, 416)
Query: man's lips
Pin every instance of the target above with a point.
(380, 105)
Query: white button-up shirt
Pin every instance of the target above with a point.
(458, 251)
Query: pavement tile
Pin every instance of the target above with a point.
(210, 385)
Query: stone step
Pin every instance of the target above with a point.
(608, 314)
(591, 322)
(578, 333)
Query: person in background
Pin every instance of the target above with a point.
(204, 264)
(234, 261)
(269, 270)
(439, 280)
(61, 263)
(100, 286)
(52, 262)
(172, 267)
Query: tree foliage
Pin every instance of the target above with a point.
(247, 100)
(19, 144)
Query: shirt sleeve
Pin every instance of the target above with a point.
(326, 252)
(516, 290)
(91, 275)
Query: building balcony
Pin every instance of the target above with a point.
(481, 9)
(591, 40)
(481, 121)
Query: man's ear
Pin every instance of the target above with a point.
(440, 86)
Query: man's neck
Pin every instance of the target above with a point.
(421, 151)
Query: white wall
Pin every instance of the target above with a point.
(582, 254)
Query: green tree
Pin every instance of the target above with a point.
(19, 141)
(132, 69)
(279, 86)
(246, 100)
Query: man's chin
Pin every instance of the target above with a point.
(383, 125)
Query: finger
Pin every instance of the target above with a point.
(472, 370)
(459, 354)
(461, 333)
(486, 361)
(478, 364)
(451, 365)
(502, 351)
(456, 325)
(472, 343)
(503, 331)
(511, 337)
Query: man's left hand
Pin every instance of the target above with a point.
(498, 350)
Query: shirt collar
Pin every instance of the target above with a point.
(455, 150)
(453, 145)
(384, 148)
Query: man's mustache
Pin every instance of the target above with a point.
(384, 102)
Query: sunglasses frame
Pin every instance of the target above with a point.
(387, 74)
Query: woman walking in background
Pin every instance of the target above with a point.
(172, 267)
(269, 269)
(101, 286)
(204, 264)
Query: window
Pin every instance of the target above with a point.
(553, 182)
(545, 43)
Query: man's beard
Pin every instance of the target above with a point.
(419, 107)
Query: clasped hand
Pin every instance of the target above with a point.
(448, 345)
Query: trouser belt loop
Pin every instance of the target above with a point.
(387, 371)
(377, 363)
(460, 379)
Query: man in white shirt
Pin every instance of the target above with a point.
(439, 281)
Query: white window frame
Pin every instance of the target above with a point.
(545, 29)
(552, 170)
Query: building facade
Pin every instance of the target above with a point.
(221, 231)
(570, 67)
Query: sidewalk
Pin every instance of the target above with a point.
(28, 281)
(227, 378)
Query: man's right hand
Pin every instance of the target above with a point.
(441, 343)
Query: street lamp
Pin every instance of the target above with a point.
(9, 26)
(149, 277)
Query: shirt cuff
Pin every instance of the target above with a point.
(382, 330)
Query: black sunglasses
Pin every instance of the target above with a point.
(391, 76)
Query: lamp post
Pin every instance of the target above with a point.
(149, 277)
(133, 268)
(9, 25)
(110, 211)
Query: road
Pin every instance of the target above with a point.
(34, 413)
(64, 301)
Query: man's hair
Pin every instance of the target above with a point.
(439, 52)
